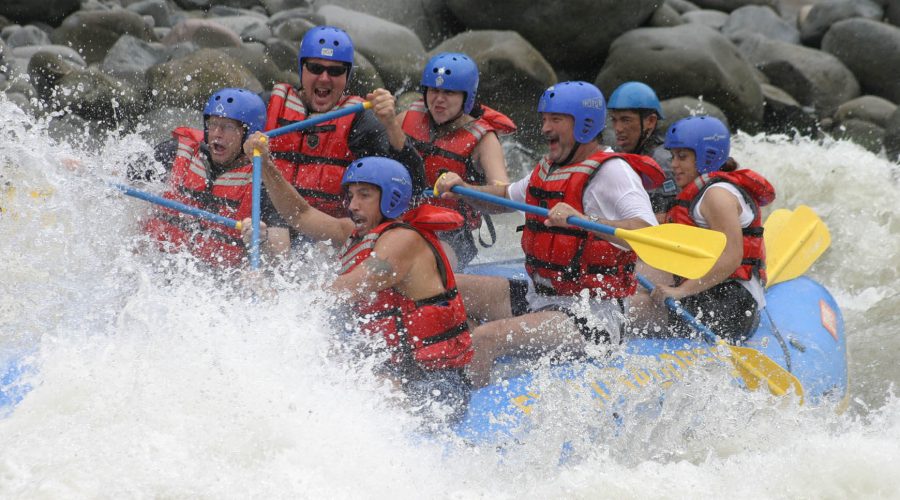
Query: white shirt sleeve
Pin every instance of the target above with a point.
(516, 191)
(616, 193)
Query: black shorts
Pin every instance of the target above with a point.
(728, 309)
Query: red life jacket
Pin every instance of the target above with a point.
(564, 261)
(453, 152)
(230, 195)
(433, 331)
(757, 192)
(313, 159)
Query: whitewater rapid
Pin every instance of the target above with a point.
(156, 380)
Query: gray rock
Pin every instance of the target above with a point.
(687, 60)
(396, 51)
(66, 53)
(814, 78)
(188, 82)
(93, 33)
(282, 53)
(684, 106)
(430, 20)
(306, 13)
(203, 33)
(872, 52)
(238, 4)
(892, 137)
(21, 36)
(576, 38)
(292, 30)
(892, 12)
(365, 76)
(665, 16)
(731, 5)
(783, 114)
(259, 65)
(827, 12)
(93, 95)
(130, 58)
(754, 19)
(249, 28)
(711, 18)
(866, 134)
(513, 74)
(870, 108)
(73, 129)
(682, 6)
(28, 11)
(158, 124)
(193, 4)
(277, 6)
(21, 101)
(46, 68)
(157, 9)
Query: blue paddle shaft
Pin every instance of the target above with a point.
(178, 207)
(254, 211)
(708, 334)
(524, 207)
(309, 122)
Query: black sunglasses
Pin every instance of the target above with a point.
(318, 69)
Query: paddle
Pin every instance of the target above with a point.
(755, 367)
(324, 117)
(256, 188)
(794, 240)
(178, 207)
(677, 248)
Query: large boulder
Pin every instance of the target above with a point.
(872, 52)
(92, 33)
(394, 50)
(96, 96)
(46, 68)
(430, 20)
(812, 77)
(682, 6)
(892, 12)
(731, 5)
(892, 137)
(712, 18)
(684, 106)
(188, 82)
(823, 14)
(575, 34)
(783, 114)
(513, 74)
(665, 16)
(864, 133)
(203, 33)
(754, 19)
(870, 108)
(130, 58)
(21, 36)
(687, 60)
(46, 11)
(157, 9)
(249, 27)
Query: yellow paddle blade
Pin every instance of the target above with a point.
(775, 223)
(687, 251)
(793, 244)
(757, 369)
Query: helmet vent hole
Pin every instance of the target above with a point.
(230, 100)
(321, 41)
(448, 71)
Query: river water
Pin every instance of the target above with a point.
(156, 380)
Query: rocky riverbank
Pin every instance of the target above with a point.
(831, 67)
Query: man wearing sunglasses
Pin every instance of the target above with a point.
(314, 160)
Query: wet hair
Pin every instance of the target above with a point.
(730, 165)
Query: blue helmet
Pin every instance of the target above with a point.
(452, 71)
(387, 174)
(635, 95)
(706, 136)
(581, 100)
(326, 42)
(238, 104)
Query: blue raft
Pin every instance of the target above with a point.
(801, 329)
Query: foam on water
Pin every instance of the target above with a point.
(155, 380)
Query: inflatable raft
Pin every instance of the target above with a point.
(801, 330)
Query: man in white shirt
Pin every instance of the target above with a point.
(579, 279)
